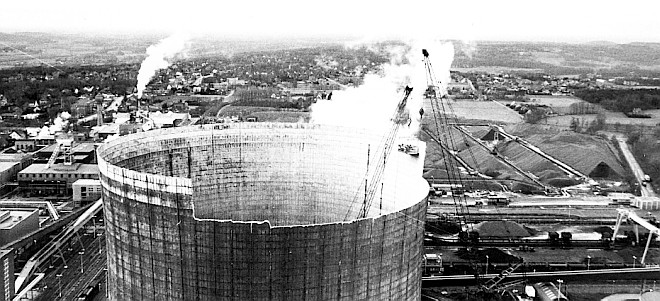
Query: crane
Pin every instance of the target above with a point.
(437, 98)
(436, 95)
(624, 214)
(372, 179)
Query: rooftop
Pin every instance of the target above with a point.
(14, 217)
(15, 157)
(7, 165)
(4, 253)
(87, 182)
(111, 128)
(61, 169)
(77, 148)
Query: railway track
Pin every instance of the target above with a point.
(533, 218)
(72, 282)
(431, 241)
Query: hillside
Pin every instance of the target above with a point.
(562, 58)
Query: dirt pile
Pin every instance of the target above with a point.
(507, 229)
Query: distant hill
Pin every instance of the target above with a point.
(35, 48)
(600, 43)
(32, 37)
(603, 57)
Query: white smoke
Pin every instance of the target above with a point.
(468, 41)
(59, 123)
(158, 57)
(372, 104)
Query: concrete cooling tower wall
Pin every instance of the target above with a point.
(257, 211)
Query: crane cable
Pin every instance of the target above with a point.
(438, 107)
(372, 178)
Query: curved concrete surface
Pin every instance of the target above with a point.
(258, 211)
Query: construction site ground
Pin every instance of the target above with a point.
(445, 205)
(589, 208)
(555, 255)
(557, 141)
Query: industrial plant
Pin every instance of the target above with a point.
(317, 174)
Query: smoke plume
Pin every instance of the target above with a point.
(60, 122)
(372, 104)
(158, 57)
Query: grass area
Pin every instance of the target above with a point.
(612, 118)
(560, 104)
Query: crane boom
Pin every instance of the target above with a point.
(436, 95)
(373, 179)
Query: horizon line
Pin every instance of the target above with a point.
(336, 37)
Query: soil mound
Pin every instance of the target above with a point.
(507, 229)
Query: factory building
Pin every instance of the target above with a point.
(7, 275)
(86, 190)
(646, 203)
(80, 152)
(24, 159)
(8, 171)
(58, 179)
(258, 211)
(15, 224)
(33, 144)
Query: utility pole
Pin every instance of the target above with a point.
(81, 261)
(59, 282)
(487, 263)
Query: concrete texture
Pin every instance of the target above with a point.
(260, 212)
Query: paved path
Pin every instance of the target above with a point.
(647, 191)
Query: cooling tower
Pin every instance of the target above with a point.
(258, 211)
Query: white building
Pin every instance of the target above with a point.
(86, 190)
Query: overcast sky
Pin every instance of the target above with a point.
(555, 20)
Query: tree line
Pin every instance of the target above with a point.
(622, 100)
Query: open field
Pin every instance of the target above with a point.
(34, 49)
(495, 69)
(611, 118)
(560, 103)
(482, 110)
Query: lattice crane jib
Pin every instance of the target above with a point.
(373, 177)
(441, 112)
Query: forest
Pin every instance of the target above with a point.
(622, 100)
